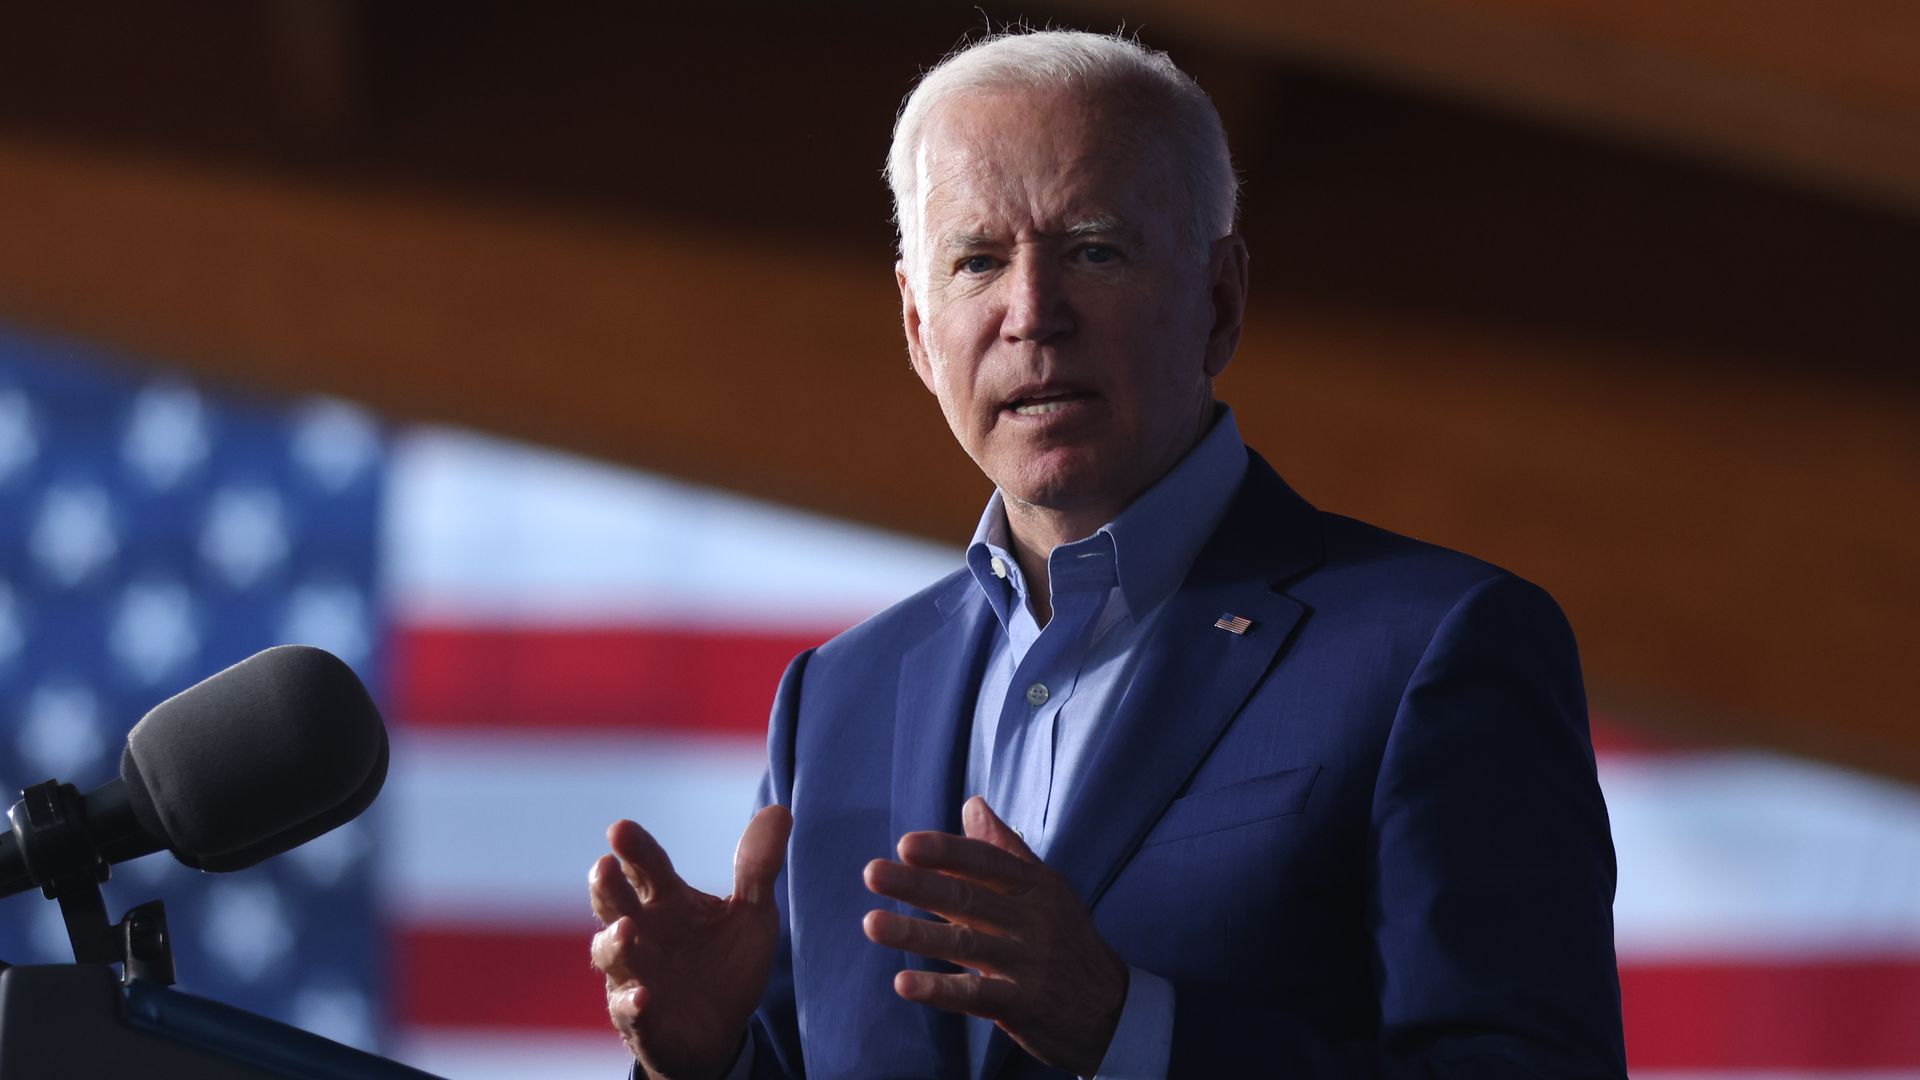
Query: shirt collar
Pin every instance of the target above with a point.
(1154, 540)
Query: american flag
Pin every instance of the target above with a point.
(558, 643)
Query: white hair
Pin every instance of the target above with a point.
(1098, 63)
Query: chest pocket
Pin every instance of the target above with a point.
(1242, 803)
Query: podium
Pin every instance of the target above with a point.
(62, 1021)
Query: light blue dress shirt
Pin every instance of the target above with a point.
(1046, 690)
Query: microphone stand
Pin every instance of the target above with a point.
(63, 859)
(72, 1020)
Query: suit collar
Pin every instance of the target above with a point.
(1154, 540)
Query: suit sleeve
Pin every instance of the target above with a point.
(1492, 875)
(775, 1028)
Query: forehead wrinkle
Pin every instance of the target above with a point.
(971, 172)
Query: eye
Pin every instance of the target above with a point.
(1099, 254)
(977, 264)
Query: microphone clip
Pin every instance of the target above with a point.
(62, 858)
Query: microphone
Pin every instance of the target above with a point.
(237, 768)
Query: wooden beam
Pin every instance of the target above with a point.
(1826, 95)
(1736, 547)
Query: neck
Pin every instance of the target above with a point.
(1036, 530)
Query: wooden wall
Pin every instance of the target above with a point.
(1668, 373)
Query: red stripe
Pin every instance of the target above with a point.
(1836, 1014)
(1828, 1014)
(502, 981)
(622, 678)
(638, 677)
(1611, 736)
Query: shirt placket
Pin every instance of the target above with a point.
(1021, 767)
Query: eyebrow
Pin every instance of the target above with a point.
(1101, 225)
(1104, 224)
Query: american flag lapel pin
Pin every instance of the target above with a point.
(1233, 624)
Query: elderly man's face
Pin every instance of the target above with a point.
(1056, 308)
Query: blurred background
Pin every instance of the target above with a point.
(543, 362)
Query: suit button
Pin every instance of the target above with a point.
(1037, 694)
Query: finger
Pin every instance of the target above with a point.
(974, 859)
(952, 942)
(610, 892)
(949, 897)
(974, 995)
(610, 952)
(982, 823)
(623, 1007)
(644, 861)
(761, 852)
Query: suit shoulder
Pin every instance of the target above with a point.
(1364, 560)
(908, 620)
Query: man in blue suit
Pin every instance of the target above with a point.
(1179, 775)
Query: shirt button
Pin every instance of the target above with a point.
(1037, 694)
(999, 567)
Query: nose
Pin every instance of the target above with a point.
(1037, 306)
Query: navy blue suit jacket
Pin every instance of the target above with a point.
(1363, 839)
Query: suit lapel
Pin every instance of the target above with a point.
(1192, 680)
(939, 678)
(932, 723)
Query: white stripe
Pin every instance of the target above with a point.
(1735, 854)
(491, 830)
(482, 530)
(481, 1054)
(1748, 854)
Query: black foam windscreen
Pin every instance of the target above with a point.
(259, 758)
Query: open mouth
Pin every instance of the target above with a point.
(1045, 402)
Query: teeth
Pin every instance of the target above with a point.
(1040, 408)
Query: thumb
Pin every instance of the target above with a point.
(761, 853)
(982, 823)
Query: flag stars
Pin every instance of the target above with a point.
(153, 630)
(245, 534)
(60, 732)
(340, 1013)
(333, 617)
(335, 443)
(19, 445)
(244, 927)
(73, 535)
(166, 436)
(326, 858)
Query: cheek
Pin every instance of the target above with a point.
(946, 380)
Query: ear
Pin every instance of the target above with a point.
(910, 322)
(1227, 293)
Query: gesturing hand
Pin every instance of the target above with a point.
(1042, 972)
(684, 969)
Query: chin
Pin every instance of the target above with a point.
(1061, 493)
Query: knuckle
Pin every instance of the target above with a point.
(965, 903)
(621, 1010)
(601, 948)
